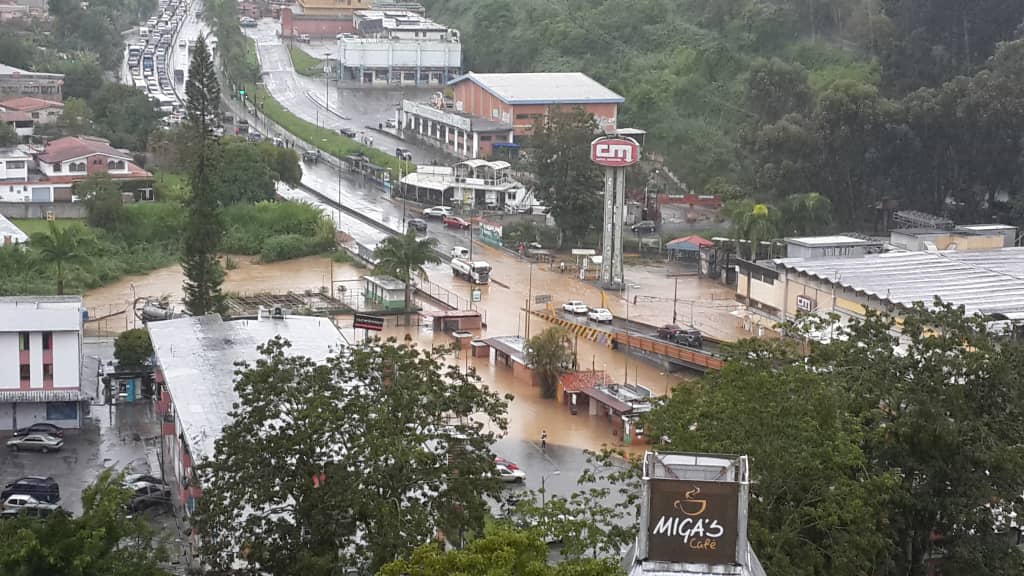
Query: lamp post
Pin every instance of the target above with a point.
(327, 78)
(132, 286)
(543, 488)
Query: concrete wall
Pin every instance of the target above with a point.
(10, 362)
(66, 360)
(383, 53)
(21, 414)
(60, 210)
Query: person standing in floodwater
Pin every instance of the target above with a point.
(543, 439)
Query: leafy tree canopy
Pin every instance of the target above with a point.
(133, 348)
(351, 463)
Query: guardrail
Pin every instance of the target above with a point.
(441, 295)
(688, 356)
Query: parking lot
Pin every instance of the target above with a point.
(123, 437)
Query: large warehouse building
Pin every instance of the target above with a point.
(398, 47)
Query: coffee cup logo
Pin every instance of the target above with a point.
(689, 504)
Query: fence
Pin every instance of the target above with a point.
(441, 295)
(25, 210)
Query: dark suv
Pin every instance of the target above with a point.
(683, 336)
(42, 488)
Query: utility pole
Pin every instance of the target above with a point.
(529, 299)
(675, 300)
(327, 78)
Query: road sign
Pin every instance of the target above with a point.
(614, 152)
(475, 294)
(542, 298)
(367, 322)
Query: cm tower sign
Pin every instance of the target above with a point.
(615, 154)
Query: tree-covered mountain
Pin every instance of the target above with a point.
(858, 100)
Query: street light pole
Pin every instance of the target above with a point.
(327, 78)
(529, 299)
(675, 300)
(543, 490)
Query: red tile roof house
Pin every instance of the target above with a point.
(39, 109)
(69, 160)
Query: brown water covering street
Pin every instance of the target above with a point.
(502, 309)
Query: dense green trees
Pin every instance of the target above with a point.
(348, 465)
(567, 181)
(550, 355)
(133, 348)
(912, 101)
(874, 452)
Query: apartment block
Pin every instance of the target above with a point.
(41, 361)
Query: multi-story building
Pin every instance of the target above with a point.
(15, 82)
(49, 175)
(320, 18)
(398, 47)
(490, 111)
(40, 361)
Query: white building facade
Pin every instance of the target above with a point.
(396, 47)
(41, 361)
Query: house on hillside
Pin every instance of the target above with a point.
(15, 82)
(50, 174)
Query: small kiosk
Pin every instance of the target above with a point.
(384, 293)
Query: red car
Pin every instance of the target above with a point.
(455, 222)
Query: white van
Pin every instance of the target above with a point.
(460, 252)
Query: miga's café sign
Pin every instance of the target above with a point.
(692, 521)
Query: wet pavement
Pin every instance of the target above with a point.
(348, 106)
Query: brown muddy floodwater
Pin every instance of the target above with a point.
(502, 309)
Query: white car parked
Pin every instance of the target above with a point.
(438, 211)
(600, 315)
(19, 501)
(575, 307)
(507, 474)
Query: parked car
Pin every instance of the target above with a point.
(255, 137)
(418, 224)
(42, 488)
(390, 123)
(20, 501)
(460, 252)
(644, 227)
(351, 133)
(455, 222)
(512, 465)
(311, 156)
(304, 38)
(684, 336)
(146, 496)
(40, 442)
(507, 474)
(600, 315)
(437, 212)
(41, 428)
(403, 154)
(131, 479)
(575, 307)
(30, 511)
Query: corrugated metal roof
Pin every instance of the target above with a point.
(544, 88)
(197, 357)
(983, 281)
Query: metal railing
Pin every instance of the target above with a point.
(441, 294)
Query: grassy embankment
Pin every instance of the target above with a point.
(305, 64)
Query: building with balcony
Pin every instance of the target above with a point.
(492, 112)
(15, 82)
(41, 361)
(471, 184)
(50, 174)
(398, 47)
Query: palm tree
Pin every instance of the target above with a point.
(807, 213)
(755, 225)
(62, 247)
(549, 354)
(403, 257)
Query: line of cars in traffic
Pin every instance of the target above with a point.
(147, 62)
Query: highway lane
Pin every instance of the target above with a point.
(353, 107)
